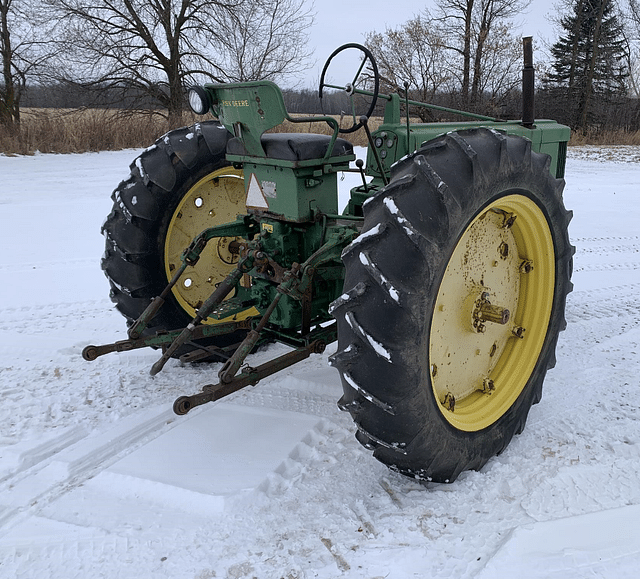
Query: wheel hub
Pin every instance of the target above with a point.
(484, 311)
(489, 294)
(216, 199)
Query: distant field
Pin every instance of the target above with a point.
(82, 130)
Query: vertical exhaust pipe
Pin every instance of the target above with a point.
(528, 81)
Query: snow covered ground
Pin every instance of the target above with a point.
(98, 478)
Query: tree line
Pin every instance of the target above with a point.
(142, 54)
(463, 52)
(146, 51)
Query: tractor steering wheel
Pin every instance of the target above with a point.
(360, 78)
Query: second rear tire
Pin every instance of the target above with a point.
(453, 300)
(177, 188)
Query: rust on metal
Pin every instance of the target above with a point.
(248, 377)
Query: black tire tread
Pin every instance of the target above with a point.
(409, 227)
(143, 204)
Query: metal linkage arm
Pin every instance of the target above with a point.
(299, 278)
(250, 377)
(190, 256)
(159, 340)
(296, 284)
(211, 303)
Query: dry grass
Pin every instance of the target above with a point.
(78, 131)
(605, 138)
(357, 138)
(81, 130)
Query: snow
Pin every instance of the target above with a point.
(362, 237)
(379, 403)
(400, 218)
(382, 280)
(98, 478)
(378, 348)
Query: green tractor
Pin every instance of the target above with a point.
(443, 281)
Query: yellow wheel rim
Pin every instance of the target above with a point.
(502, 267)
(216, 199)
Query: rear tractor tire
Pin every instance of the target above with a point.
(177, 188)
(453, 300)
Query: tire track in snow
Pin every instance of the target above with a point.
(611, 250)
(19, 312)
(90, 263)
(53, 320)
(606, 254)
(42, 475)
(601, 246)
(605, 239)
(26, 315)
(596, 320)
(611, 302)
(72, 551)
(46, 472)
(626, 266)
(323, 405)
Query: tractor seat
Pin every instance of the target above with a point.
(294, 146)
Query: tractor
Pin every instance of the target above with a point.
(443, 281)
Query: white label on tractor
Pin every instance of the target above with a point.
(269, 189)
(255, 196)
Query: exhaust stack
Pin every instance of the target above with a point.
(528, 81)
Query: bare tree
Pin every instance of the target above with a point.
(20, 55)
(424, 52)
(413, 53)
(633, 46)
(499, 72)
(456, 17)
(9, 109)
(264, 40)
(149, 50)
(468, 26)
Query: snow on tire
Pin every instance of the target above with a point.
(177, 188)
(454, 298)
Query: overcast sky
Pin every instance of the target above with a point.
(340, 21)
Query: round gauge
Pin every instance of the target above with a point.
(378, 142)
(383, 153)
(389, 143)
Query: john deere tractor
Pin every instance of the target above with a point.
(443, 280)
